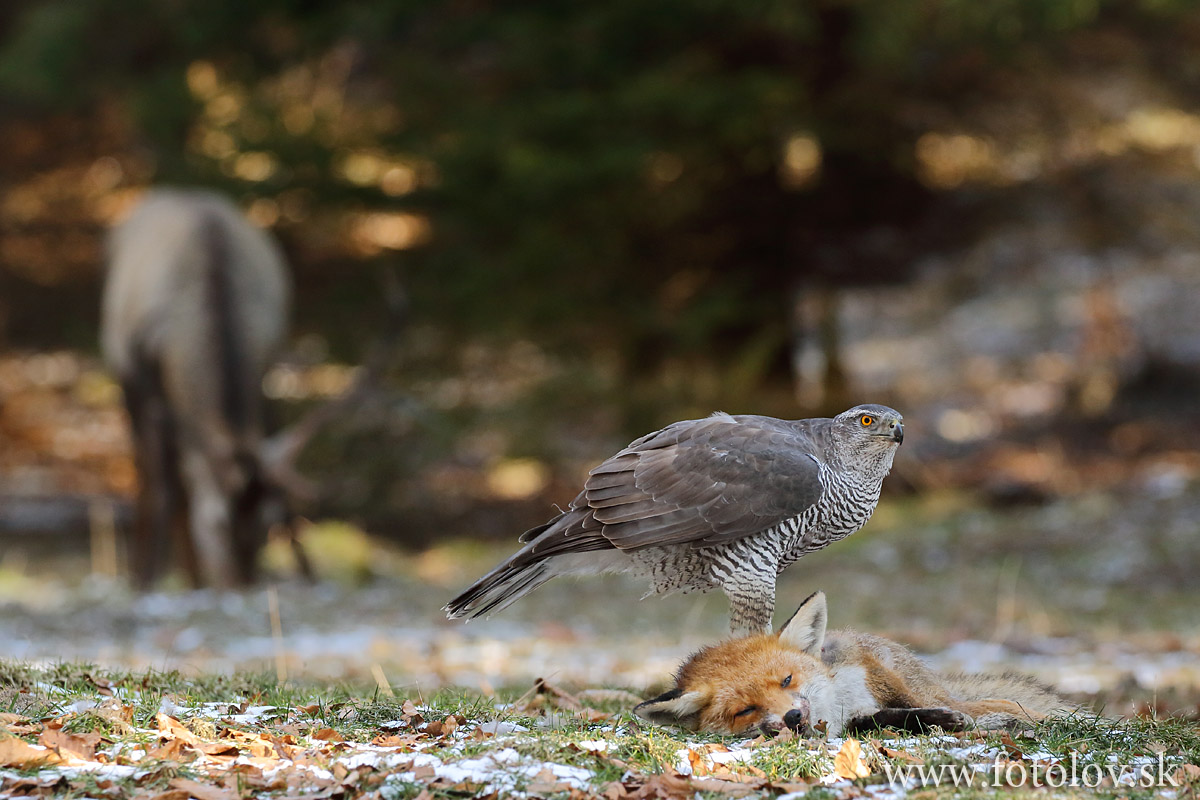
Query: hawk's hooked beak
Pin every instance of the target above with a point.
(898, 432)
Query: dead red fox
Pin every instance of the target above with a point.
(802, 679)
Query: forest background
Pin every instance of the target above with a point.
(606, 217)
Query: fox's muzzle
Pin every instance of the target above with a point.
(797, 719)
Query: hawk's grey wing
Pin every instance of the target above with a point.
(702, 482)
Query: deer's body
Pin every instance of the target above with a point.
(195, 307)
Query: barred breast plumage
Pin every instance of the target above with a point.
(722, 502)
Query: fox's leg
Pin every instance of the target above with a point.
(751, 601)
(913, 720)
(1000, 714)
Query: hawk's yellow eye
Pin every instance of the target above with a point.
(867, 419)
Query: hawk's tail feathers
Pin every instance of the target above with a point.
(562, 546)
(498, 589)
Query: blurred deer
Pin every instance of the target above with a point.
(195, 308)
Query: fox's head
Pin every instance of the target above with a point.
(760, 682)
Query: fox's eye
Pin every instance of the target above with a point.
(746, 710)
(867, 419)
(786, 682)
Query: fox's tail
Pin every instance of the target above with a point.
(1027, 695)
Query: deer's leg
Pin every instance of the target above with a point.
(291, 530)
(253, 506)
(209, 515)
(182, 539)
(159, 493)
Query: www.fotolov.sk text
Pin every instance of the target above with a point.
(1151, 774)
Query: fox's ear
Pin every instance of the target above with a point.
(806, 628)
(675, 707)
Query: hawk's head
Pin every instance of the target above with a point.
(874, 421)
(869, 431)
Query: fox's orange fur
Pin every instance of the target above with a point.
(802, 678)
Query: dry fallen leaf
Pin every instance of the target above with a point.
(593, 715)
(729, 787)
(547, 783)
(1012, 748)
(444, 727)
(203, 791)
(785, 735)
(255, 744)
(103, 685)
(118, 713)
(424, 772)
(15, 752)
(667, 785)
(217, 748)
(560, 697)
(848, 762)
(169, 794)
(1186, 774)
(33, 785)
(78, 745)
(171, 728)
(328, 735)
(900, 754)
(788, 787)
(756, 776)
(399, 742)
(614, 790)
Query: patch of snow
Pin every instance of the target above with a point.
(499, 726)
(379, 758)
(94, 769)
(1042, 755)
(500, 771)
(971, 752)
(251, 715)
(135, 754)
(169, 707)
(731, 756)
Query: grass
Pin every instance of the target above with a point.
(354, 741)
